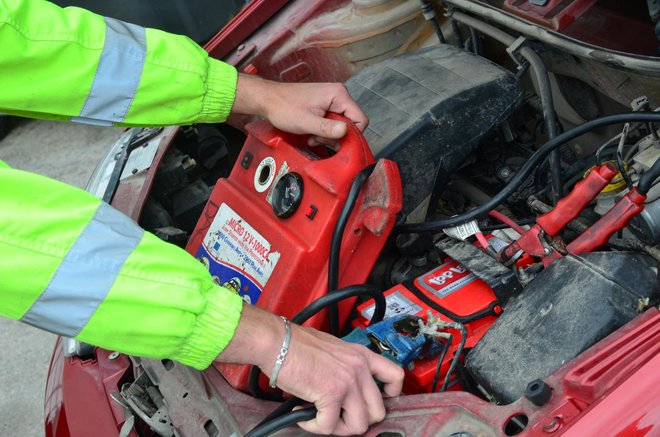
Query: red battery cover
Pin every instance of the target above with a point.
(452, 287)
(280, 264)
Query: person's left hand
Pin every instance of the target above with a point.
(298, 108)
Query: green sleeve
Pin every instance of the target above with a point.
(160, 302)
(51, 66)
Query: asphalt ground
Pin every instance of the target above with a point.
(68, 152)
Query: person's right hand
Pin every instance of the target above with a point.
(299, 108)
(338, 377)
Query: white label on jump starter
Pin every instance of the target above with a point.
(238, 257)
(284, 169)
(461, 232)
(397, 304)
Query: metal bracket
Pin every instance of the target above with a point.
(513, 49)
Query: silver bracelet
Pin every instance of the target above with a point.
(283, 351)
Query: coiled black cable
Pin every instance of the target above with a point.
(526, 170)
(335, 244)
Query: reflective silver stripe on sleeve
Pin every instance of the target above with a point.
(86, 273)
(117, 75)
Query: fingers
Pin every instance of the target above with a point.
(300, 108)
(338, 377)
(343, 103)
(326, 421)
(348, 416)
(387, 372)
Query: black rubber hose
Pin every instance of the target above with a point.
(335, 244)
(495, 227)
(540, 72)
(429, 15)
(527, 169)
(648, 177)
(310, 311)
(457, 33)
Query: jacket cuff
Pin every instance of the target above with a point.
(220, 92)
(214, 329)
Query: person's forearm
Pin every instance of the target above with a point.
(75, 267)
(72, 64)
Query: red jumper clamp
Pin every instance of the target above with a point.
(568, 208)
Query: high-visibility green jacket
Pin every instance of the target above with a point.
(69, 263)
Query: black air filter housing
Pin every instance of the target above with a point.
(569, 307)
(430, 109)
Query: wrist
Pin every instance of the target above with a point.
(253, 95)
(257, 340)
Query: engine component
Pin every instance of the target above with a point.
(451, 290)
(570, 306)
(430, 109)
(277, 257)
(187, 204)
(646, 226)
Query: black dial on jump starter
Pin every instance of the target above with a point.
(287, 195)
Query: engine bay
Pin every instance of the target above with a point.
(503, 202)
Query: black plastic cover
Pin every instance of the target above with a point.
(430, 109)
(570, 306)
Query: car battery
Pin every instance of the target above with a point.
(266, 230)
(451, 291)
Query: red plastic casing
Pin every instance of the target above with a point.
(292, 253)
(555, 14)
(454, 288)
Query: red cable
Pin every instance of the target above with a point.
(482, 240)
(507, 221)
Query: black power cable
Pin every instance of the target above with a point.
(527, 169)
(436, 375)
(283, 421)
(457, 357)
(281, 417)
(619, 156)
(310, 311)
(335, 244)
(647, 178)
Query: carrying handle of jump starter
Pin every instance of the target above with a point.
(353, 151)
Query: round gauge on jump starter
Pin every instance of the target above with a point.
(287, 195)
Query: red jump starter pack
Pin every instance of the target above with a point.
(266, 230)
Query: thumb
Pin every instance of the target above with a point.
(326, 128)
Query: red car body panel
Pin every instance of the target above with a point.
(612, 388)
(77, 397)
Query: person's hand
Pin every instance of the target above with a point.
(298, 108)
(338, 377)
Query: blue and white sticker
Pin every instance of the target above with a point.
(238, 257)
(396, 304)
